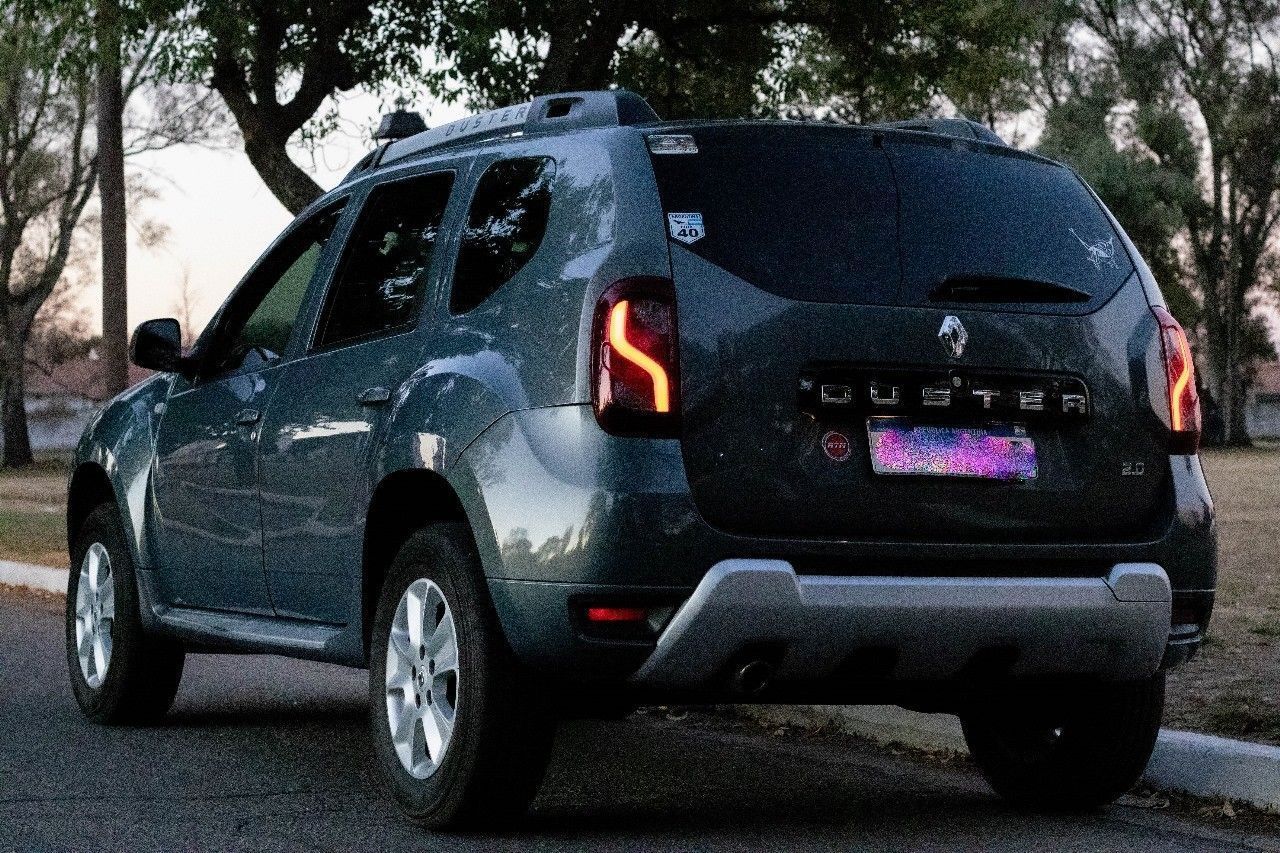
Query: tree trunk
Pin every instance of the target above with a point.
(582, 47)
(269, 155)
(13, 417)
(1234, 411)
(111, 192)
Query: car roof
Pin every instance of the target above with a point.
(569, 112)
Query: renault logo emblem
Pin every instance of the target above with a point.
(953, 336)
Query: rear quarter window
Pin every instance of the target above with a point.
(505, 225)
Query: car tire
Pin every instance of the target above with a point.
(486, 769)
(120, 674)
(1067, 751)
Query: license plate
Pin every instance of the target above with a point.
(990, 452)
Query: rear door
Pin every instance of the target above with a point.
(843, 261)
(321, 425)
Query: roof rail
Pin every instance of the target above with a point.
(959, 128)
(546, 113)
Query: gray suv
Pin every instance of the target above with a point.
(561, 409)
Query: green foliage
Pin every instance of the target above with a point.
(857, 63)
(843, 61)
(709, 72)
(366, 43)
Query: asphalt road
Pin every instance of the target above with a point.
(268, 754)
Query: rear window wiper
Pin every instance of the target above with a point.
(983, 288)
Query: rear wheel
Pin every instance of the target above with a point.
(119, 673)
(460, 738)
(1071, 751)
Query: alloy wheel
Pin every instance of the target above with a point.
(95, 614)
(422, 678)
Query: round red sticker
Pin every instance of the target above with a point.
(836, 446)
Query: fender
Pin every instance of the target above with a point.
(436, 414)
(121, 441)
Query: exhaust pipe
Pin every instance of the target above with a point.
(753, 678)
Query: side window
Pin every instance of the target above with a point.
(258, 324)
(507, 221)
(379, 284)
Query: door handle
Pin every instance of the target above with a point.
(248, 417)
(375, 396)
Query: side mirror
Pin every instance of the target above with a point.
(157, 345)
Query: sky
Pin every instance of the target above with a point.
(220, 216)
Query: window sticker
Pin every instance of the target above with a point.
(1099, 252)
(686, 227)
(672, 143)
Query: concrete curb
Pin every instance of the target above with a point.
(42, 578)
(1191, 763)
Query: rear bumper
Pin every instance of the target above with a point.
(565, 513)
(916, 629)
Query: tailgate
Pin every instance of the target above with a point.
(802, 278)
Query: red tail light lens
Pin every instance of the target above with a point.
(1180, 374)
(617, 614)
(633, 361)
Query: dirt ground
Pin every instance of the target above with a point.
(1232, 688)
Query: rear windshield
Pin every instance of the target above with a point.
(977, 216)
(804, 212)
(820, 213)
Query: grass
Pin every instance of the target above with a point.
(33, 527)
(1232, 688)
(1242, 717)
(33, 537)
(46, 465)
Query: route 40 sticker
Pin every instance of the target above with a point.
(686, 227)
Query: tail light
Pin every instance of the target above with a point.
(633, 358)
(1180, 375)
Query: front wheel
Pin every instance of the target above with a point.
(1070, 750)
(460, 738)
(119, 673)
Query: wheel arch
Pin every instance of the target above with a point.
(403, 501)
(89, 486)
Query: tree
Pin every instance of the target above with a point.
(710, 58)
(895, 60)
(1147, 196)
(61, 332)
(49, 165)
(111, 196)
(1201, 84)
(47, 174)
(276, 65)
(186, 307)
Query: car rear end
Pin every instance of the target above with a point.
(935, 421)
